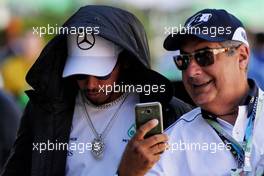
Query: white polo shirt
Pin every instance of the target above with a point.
(196, 149)
(80, 161)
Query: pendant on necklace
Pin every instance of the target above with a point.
(98, 148)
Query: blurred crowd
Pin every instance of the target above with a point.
(256, 66)
(17, 54)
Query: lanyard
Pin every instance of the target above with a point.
(242, 153)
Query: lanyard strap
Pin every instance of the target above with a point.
(236, 148)
(241, 153)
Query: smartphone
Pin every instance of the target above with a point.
(146, 112)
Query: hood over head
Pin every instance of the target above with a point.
(115, 25)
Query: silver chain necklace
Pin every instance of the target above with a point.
(98, 144)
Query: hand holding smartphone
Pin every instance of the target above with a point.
(141, 153)
(146, 112)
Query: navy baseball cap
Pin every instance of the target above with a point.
(214, 25)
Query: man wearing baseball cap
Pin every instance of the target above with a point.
(224, 135)
(71, 126)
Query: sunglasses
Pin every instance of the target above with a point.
(204, 57)
(81, 77)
